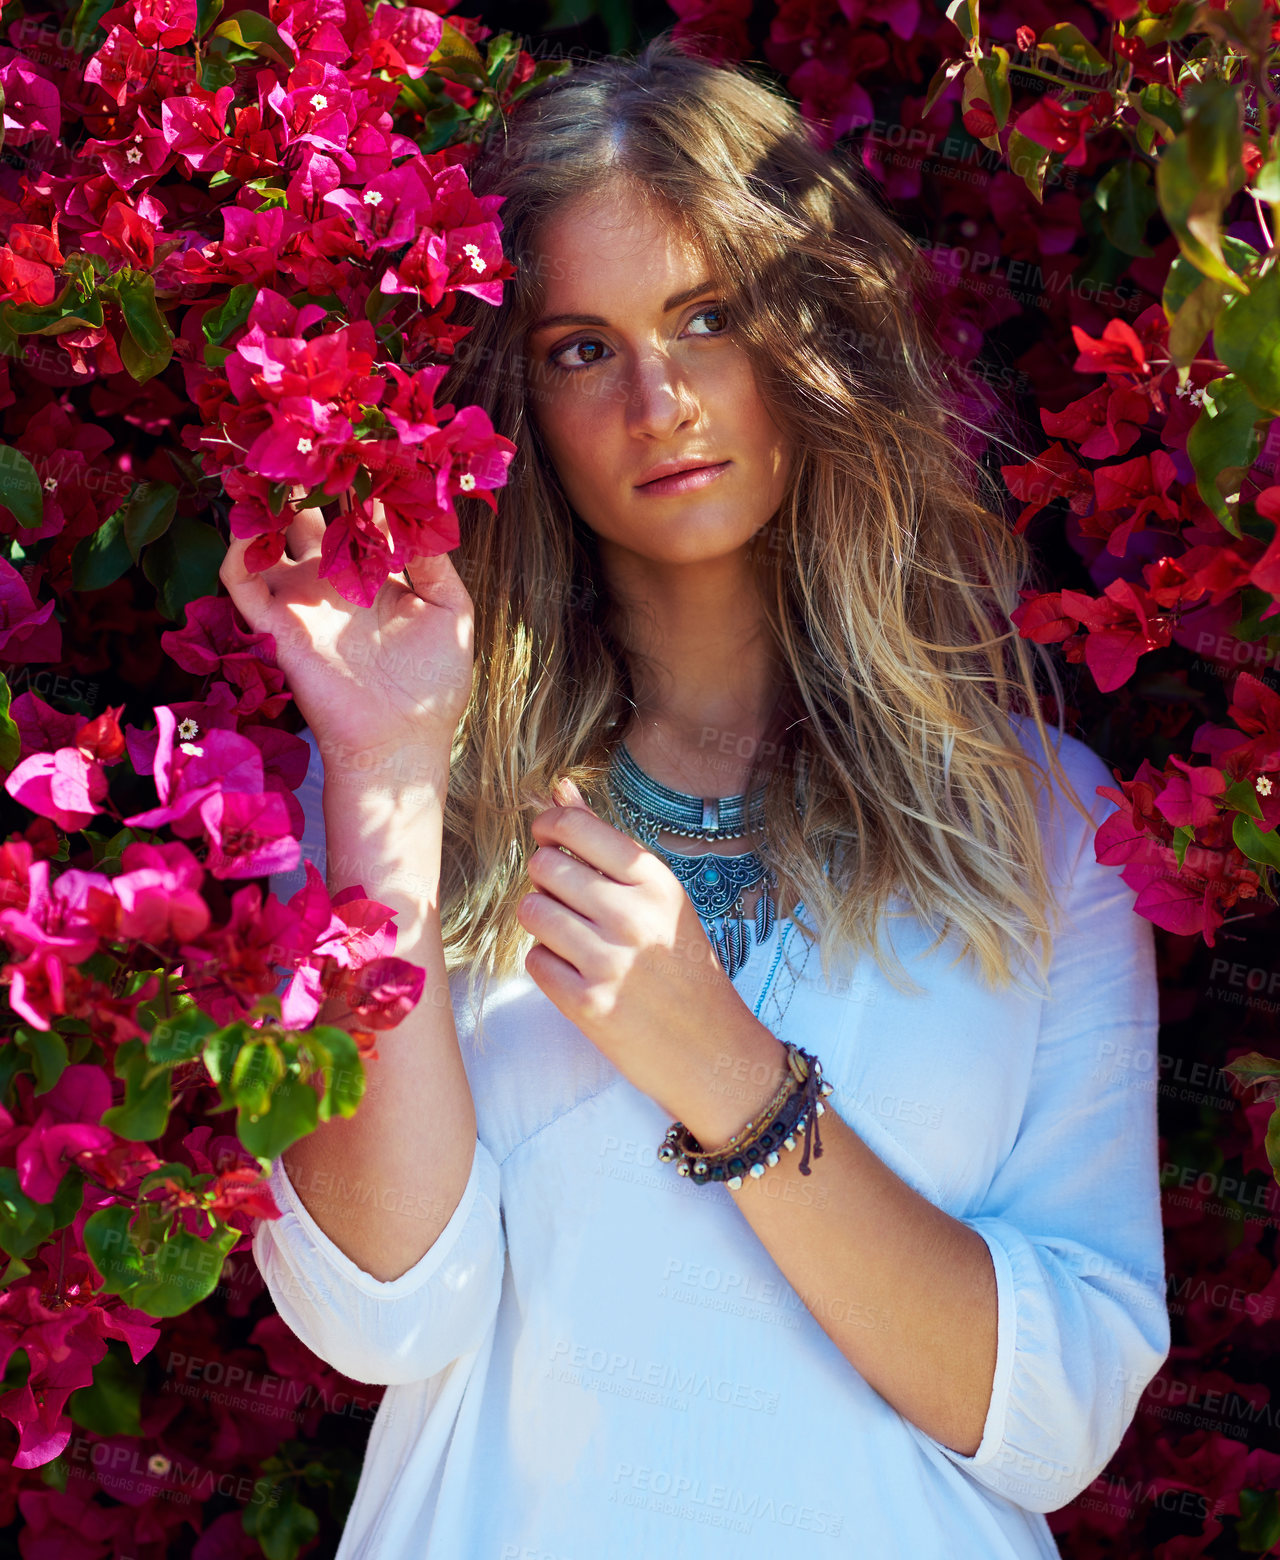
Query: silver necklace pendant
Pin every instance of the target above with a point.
(715, 884)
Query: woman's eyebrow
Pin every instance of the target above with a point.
(673, 302)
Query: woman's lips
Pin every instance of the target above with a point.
(684, 481)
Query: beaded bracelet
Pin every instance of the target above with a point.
(794, 1108)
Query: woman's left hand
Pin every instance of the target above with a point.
(621, 952)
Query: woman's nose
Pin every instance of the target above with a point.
(660, 400)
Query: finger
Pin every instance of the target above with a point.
(580, 887)
(558, 928)
(305, 532)
(556, 978)
(251, 593)
(596, 842)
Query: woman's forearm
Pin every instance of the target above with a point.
(383, 1183)
(904, 1291)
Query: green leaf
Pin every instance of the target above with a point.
(220, 1052)
(84, 29)
(162, 1274)
(1154, 30)
(180, 1038)
(337, 1058)
(20, 489)
(15, 1268)
(148, 514)
(284, 1529)
(24, 1225)
(98, 560)
(1070, 45)
(183, 565)
(207, 13)
(1198, 174)
(148, 1097)
(964, 13)
(1253, 1070)
(1161, 110)
(1184, 278)
(17, 1372)
(1222, 443)
(257, 1070)
(937, 84)
(1258, 1531)
(292, 1113)
(1127, 201)
(1029, 160)
(455, 46)
(995, 73)
(1193, 322)
(1183, 836)
(10, 736)
(215, 72)
(136, 291)
(48, 1052)
(218, 323)
(173, 1171)
(67, 1199)
(257, 34)
(1247, 339)
(1259, 847)
(113, 1404)
(1243, 797)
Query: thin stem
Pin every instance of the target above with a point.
(1061, 81)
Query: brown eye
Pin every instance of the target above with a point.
(716, 312)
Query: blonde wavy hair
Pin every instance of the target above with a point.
(887, 581)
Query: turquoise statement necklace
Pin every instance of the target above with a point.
(716, 884)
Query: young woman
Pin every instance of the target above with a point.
(633, 1290)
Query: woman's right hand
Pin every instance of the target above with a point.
(371, 682)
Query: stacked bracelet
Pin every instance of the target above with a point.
(794, 1108)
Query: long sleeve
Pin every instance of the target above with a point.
(405, 1329)
(1072, 1216)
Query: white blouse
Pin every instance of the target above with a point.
(597, 1357)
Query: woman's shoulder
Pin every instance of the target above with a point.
(1083, 769)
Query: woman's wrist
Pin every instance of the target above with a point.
(417, 770)
(741, 1083)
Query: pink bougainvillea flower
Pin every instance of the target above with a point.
(1127, 495)
(403, 41)
(32, 103)
(166, 22)
(1106, 422)
(65, 786)
(1054, 473)
(250, 834)
(27, 630)
(159, 893)
(186, 773)
(1266, 572)
(213, 642)
(1191, 799)
(75, 1104)
(1119, 351)
(355, 556)
(1049, 123)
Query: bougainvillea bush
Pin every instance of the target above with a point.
(232, 247)
(232, 243)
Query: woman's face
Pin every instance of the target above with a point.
(633, 368)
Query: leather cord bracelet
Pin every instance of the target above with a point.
(795, 1108)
